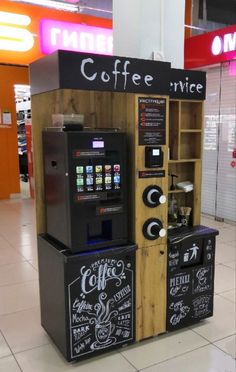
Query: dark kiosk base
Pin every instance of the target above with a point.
(191, 266)
(87, 299)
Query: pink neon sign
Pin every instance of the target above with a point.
(75, 37)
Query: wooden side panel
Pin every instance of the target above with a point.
(191, 114)
(131, 127)
(142, 211)
(174, 132)
(150, 291)
(43, 106)
(197, 192)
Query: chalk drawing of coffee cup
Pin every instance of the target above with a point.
(102, 320)
(103, 331)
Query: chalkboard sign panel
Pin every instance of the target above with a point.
(190, 296)
(86, 71)
(190, 276)
(87, 299)
(101, 305)
(152, 121)
(187, 84)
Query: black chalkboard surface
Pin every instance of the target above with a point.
(87, 300)
(187, 84)
(152, 121)
(86, 71)
(190, 275)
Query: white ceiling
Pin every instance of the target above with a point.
(98, 8)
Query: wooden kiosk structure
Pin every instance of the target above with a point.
(125, 93)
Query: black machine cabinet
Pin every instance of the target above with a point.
(190, 275)
(85, 188)
(87, 299)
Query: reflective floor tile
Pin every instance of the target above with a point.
(48, 359)
(23, 330)
(231, 264)
(29, 252)
(221, 325)
(228, 345)
(225, 278)
(205, 359)
(225, 253)
(4, 349)
(230, 295)
(17, 273)
(19, 297)
(8, 254)
(163, 347)
(9, 364)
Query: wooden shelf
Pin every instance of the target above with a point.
(177, 191)
(190, 130)
(185, 148)
(172, 161)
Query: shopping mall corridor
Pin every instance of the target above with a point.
(208, 346)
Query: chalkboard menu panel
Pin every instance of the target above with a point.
(101, 304)
(152, 121)
(94, 297)
(190, 271)
(190, 297)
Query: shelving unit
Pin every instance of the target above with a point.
(23, 111)
(185, 138)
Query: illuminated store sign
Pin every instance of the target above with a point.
(25, 34)
(13, 34)
(224, 44)
(75, 37)
(211, 48)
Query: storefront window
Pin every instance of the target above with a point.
(219, 149)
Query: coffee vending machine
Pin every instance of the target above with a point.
(85, 187)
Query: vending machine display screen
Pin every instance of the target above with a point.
(98, 177)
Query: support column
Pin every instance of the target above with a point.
(149, 29)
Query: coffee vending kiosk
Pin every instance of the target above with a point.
(102, 195)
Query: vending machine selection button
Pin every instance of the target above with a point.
(98, 168)
(79, 181)
(116, 168)
(89, 181)
(107, 168)
(79, 169)
(108, 179)
(89, 169)
(98, 180)
(117, 179)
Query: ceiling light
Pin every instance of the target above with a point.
(95, 9)
(53, 4)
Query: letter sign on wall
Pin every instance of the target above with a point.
(13, 33)
(55, 35)
(211, 48)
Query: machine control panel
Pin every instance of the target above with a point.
(98, 177)
(153, 157)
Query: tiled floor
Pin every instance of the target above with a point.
(24, 346)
